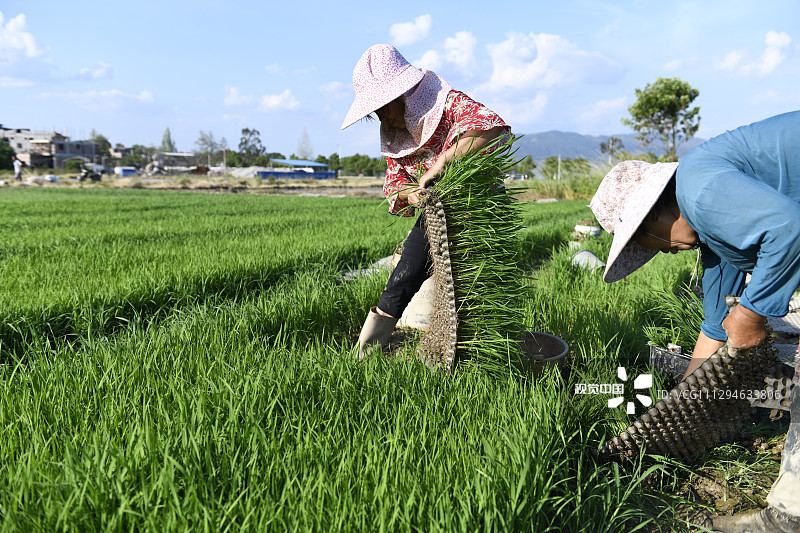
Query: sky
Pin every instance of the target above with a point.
(130, 70)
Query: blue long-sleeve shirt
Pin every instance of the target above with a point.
(740, 192)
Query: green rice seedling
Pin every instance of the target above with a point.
(681, 314)
(182, 363)
(78, 261)
(198, 423)
(574, 188)
(483, 228)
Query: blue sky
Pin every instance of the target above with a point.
(129, 70)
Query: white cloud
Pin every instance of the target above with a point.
(410, 32)
(234, 97)
(460, 50)
(526, 61)
(103, 101)
(15, 42)
(609, 29)
(775, 53)
(274, 68)
(100, 72)
(7, 81)
(430, 60)
(602, 109)
(277, 102)
(516, 111)
(268, 102)
(672, 65)
(777, 46)
(336, 90)
(731, 61)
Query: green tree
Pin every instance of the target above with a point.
(262, 161)
(662, 111)
(611, 147)
(333, 162)
(569, 168)
(73, 165)
(6, 155)
(103, 144)
(232, 158)
(167, 144)
(140, 155)
(649, 157)
(206, 147)
(357, 165)
(526, 166)
(250, 147)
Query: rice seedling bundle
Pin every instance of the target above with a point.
(473, 227)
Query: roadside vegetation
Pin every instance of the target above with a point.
(176, 361)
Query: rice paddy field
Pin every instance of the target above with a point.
(179, 361)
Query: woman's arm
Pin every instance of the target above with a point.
(469, 141)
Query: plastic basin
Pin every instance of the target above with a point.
(541, 350)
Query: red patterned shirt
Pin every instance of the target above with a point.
(461, 114)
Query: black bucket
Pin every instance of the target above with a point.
(540, 350)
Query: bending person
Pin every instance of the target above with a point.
(737, 198)
(424, 124)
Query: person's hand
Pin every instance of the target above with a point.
(425, 181)
(745, 328)
(410, 194)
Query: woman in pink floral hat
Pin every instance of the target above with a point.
(421, 118)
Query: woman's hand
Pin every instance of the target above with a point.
(468, 142)
(409, 194)
(745, 328)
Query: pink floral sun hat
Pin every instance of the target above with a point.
(383, 74)
(625, 196)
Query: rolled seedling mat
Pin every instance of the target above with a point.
(473, 227)
(706, 408)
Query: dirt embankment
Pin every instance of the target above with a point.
(340, 187)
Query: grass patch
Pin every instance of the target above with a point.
(178, 361)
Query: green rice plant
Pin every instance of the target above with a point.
(547, 226)
(483, 229)
(574, 188)
(680, 317)
(78, 261)
(198, 423)
(182, 361)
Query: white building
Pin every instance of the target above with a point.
(47, 148)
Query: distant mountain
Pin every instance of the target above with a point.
(540, 146)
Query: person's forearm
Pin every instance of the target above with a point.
(703, 349)
(468, 142)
